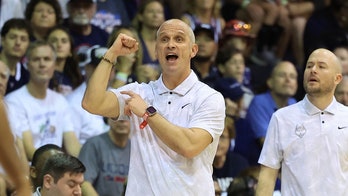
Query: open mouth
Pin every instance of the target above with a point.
(171, 57)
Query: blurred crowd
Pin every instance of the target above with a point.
(252, 51)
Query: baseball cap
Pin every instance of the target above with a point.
(91, 56)
(207, 28)
(237, 28)
(229, 88)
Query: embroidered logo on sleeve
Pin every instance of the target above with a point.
(300, 130)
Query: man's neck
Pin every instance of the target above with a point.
(37, 90)
(321, 102)
(81, 29)
(280, 101)
(11, 62)
(118, 139)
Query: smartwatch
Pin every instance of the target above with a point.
(150, 111)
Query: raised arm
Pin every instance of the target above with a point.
(97, 99)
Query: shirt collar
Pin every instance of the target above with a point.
(182, 89)
(312, 109)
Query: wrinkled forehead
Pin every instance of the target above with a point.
(173, 26)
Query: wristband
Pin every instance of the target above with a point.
(121, 76)
(107, 60)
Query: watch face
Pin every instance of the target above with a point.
(151, 110)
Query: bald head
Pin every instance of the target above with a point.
(179, 23)
(322, 73)
(330, 58)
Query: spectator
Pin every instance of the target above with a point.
(149, 17)
(62, 174)
(106, 158)
(182, 135)
(342, 53)
(205, 12)
(305, 139)
(203, 64)
(15, 36)
(67, 75)
(282, 85)
(84, 33)
(86, 124)
(43, 15)
(341, 91)
(41, 155)
(227, 164)
(42, 116)
(110, 14)
(10, 9)
(327, 28)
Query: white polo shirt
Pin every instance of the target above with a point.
(155, 169)
(311, 148)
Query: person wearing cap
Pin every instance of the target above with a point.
(86, 124)
(203, 64)
(39, 115)
(84, 33)
(282, 84)
(176, 121)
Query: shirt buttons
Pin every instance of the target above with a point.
(322, 113)
(169, 102)
(170, 92)
(323, 122)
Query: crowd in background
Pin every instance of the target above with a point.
(252, 51)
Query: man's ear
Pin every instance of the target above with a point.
(194, 50)
(47, 181)
(32, 172)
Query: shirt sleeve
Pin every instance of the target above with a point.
(271, 155)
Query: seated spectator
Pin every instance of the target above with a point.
(86, 124)
(282, 85)
(84, 33)
(342, 53)
(41, 155)
(15, 36)
(110, 14)
(203, 64)
(327, 28)
(208, 12)
(341, 91)
(39, 115)
(62, 174)
(227, 164)
(67, 75)
(149, 17)
(106, 158)
(10, 9)
(43, 15)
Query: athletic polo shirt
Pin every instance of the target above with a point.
(311, 148)
(155, 169)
